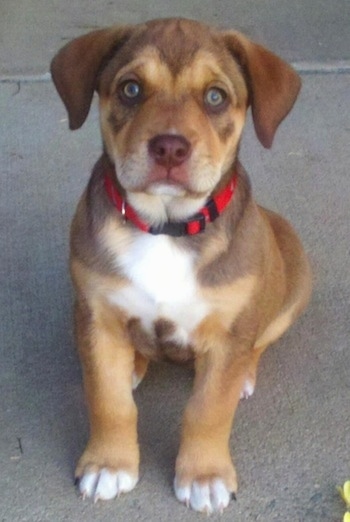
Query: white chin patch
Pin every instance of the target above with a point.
(166, 189)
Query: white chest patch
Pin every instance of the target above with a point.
(163, 285)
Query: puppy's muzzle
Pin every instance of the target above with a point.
(169, 151)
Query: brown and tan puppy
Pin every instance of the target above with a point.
(171, 257)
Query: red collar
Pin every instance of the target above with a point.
(193, 225)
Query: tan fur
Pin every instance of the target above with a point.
(226, 309)
(250, 273)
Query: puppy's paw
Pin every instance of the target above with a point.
(105, 471)
(206, 495)
(105, 484)
(205, 484)
(136, 380)
(248, 388)
(141, 365)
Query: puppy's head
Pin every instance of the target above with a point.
(173, 98)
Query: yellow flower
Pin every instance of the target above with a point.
(346, 517)
(345, 495)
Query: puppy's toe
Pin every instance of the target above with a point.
(248, 388)
(205, 496)
(136, 380)
(141, 365)
(105, 484)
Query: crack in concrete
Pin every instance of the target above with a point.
(302, 67)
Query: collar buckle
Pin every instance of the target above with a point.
(170, 229)
(123, 212)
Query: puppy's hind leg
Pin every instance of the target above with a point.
(251, 372)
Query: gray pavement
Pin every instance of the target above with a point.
(291, 439)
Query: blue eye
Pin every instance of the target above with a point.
(131, 89)
(130, 92)
(215, 97)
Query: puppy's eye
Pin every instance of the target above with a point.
(215, 98)
(130, 92)
(131, 89)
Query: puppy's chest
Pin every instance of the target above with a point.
(163, 294)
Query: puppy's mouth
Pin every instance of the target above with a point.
(172, 181)
(165, 166)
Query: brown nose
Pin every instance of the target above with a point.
(168, 150)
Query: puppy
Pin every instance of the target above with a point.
(171, 257)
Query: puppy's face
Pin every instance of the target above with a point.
(173, 97)
(172, 115)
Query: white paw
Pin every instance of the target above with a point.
(207, 496)
(105, 484)
(136, 380)
(248, 389)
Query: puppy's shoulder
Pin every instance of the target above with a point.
(233, 246)
(95, 226)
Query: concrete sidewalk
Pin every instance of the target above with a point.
(291, 439)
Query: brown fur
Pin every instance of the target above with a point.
(250, 268)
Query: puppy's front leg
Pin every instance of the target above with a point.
(109, 464)
(205, 476)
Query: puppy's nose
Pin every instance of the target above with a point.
(168, 150)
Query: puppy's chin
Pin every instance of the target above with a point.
(166, 189)
(162, 202)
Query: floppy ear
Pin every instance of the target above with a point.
(273, 85)
(75, 67)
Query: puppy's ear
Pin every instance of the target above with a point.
(75, 67)
(273, 85)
